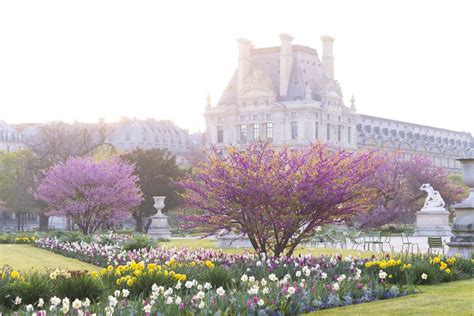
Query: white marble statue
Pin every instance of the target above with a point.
(433, 199)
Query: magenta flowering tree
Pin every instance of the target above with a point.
(92, 193)
(278, 196)
(398, 184)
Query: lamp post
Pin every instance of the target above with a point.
(463, 229)
(159, 228)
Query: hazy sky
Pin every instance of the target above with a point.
(82, 60)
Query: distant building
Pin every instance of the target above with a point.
(130, 134)
(10, 138)
(288, 95)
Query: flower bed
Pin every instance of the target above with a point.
(180, 281)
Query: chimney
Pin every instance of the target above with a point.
(286, 59)
(244, 62)
(328, 57)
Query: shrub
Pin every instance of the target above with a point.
(432, 272)
(138, 242)
(219, 277)
(79, 285)
(37, 286)
(74, 237)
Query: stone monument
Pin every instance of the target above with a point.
(432, 219)
(463, 229)
(159, 228)
(228, 239)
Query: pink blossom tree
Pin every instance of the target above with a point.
(398, 183)
(92, 193)
(277, 197)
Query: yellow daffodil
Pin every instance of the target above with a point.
(209, 264)
(15, 274)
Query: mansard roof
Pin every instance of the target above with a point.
(306, 69)
(133, 130)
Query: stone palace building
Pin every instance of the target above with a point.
(288, 95)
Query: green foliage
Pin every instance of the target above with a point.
(138, 242)
(74, 236)
(80, 285)
(30, 291)
(431, 271)
(219, 276)
(157, 171)
(17, 181)
(143, 283)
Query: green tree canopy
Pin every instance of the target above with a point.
(17, 180)
(157, 171)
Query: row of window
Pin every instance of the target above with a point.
(6, 136)
(410, 135)
(258, 131)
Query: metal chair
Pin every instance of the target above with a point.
(386, 238)
(340, 238)
(355, 238)
(406, 242)
(435, 243)
(375, 239)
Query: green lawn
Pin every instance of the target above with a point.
(207, 243)
(454, 298)
(25, 258)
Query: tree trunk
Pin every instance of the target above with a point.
(147, 225)
(43, 222)
(138, 222)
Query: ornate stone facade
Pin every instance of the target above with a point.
(289, 96)
(442, 146)
(283, 94)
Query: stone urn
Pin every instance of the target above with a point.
(159, 228)
(463, 229)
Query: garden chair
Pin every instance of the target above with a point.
(386, 239)
(408, 244)
(340, 239)
(355, 238)
(316, 241)
(330, 239)
(435, 243)
(374, 239)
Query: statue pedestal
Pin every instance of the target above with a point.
(231, 240)
(432, 221)
(159, 228)
(462, 242)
